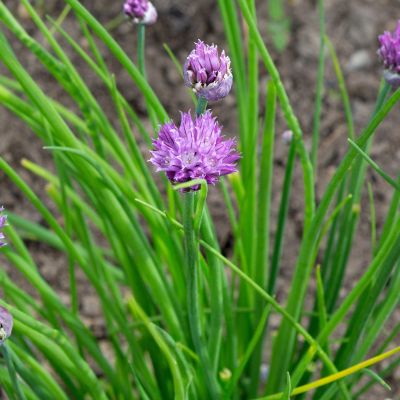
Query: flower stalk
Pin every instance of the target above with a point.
(191, 256)
(215, 274)
(141, 32)
(141, 39)
(201, 105)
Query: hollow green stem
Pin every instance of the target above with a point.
(142, 68)
(191, 255)
(216, 279)
(201, 105)
(140, 49)
(282, 218)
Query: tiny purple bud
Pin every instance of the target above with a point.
(141, 11)
(3, 222)
(389, 53)
(6, 324)
(208, 73)
(196, 149)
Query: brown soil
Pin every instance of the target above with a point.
(353, 27)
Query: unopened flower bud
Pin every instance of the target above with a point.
(141, 11)
(208, 73)
(389, 53)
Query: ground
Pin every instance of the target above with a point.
(353, 27)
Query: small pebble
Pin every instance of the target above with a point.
(359, 60)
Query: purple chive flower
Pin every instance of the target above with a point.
(208, 73)
(3, 221)
(141, 11)
(195, 149)
(389, 53)
(6, 324)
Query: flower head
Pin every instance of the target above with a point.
(6, 324)
(195, 149)
(3, 221)
(141, 11)
(207, 72)
(389, 53)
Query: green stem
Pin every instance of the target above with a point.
(282, 218)
(191, 255)
(262, 227)
(216, 279)
(142, 69)
(11, 370)
(201, 105)
(216, 283)
(140, 49)
(293, 123)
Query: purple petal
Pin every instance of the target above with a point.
(217, 90)
(207, 72)
(389, 53)
(195, 149)
(6, 324)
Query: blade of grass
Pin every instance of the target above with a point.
(372, 214)
(375, 166)
(342, 88)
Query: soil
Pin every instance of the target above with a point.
(353, 27)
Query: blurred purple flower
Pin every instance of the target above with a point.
(207, 72)
(195, 149)
(3, 221)
(141, 11)
(6, 324)
(389, 53)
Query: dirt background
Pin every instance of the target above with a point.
(353, 27)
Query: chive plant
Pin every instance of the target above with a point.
(183, 320)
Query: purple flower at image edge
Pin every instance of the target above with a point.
(3, 222)
(208, 73)
(389, 53)
(6, 324)
(194, 149)
(140, 11)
